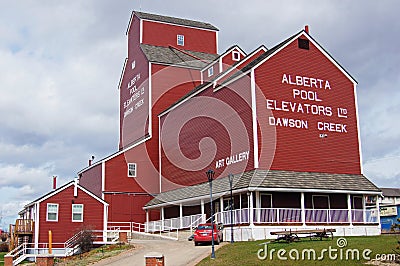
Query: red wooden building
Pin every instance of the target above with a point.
(64, 211)
(159, 69)
(283, 121)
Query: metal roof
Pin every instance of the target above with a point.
(391, 192)
(178, 21)
(273, 180)
(175, 56)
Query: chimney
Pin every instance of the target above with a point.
(91, 160)
(306, 29)
(54, 182)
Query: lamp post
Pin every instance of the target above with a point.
(230, 177)
(210, 175)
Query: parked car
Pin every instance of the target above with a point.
(203, 234)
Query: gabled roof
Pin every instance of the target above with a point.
(230, 49)
(177, 57)
(391, 192)
(259, 60)
(203, 86)
(58, 190)
(177, 21)
(272, 180)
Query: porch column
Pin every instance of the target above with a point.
(303, 209)
(251, 209)
(378, 213)
(162, 218)
(349, 209)
(203, 218)
(146, 228)
(364, 210)
(221, 203)
(257, 206)
(180, 216)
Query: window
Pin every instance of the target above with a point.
(211, 71)
(132, 169)
(235, 56)
(133, 65)
(77, 212)
(304, 44)
(52, 212)
(180, 40)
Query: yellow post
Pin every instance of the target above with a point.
(50, 242)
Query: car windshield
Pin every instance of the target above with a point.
(204, 227)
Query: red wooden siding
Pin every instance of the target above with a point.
(91, 180)
(127, 207)
(62, 230)
(303, 149)
(162, 34)
(134, 91)
(223, 127)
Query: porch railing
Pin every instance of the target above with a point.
(185, 222)
(293, 215)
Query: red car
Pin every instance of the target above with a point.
(203, 234)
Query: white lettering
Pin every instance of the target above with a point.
(306, 82)
(288, 122)
(332, 127)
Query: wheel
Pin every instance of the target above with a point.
(196, 243)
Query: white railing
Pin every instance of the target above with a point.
(185, 222)
(69, 247)
(294, 215)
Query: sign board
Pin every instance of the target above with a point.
(388, 211)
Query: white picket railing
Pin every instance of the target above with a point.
(185, 222)
(293, 215)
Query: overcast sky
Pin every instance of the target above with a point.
(60, 64)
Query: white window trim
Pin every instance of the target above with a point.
(235, 56)
(135, 170)
(324, 196)
(210, 71)
(183, 39)
(265, 194)
(47, 212)
(81, 220)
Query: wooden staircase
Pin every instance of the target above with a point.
(21, 232)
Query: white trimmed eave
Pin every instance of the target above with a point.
(253, 189)
(114, 155)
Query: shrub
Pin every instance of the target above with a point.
(3, 247)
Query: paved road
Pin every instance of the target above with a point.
(176, 253)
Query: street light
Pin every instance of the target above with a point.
(230, 177)
(210, 176)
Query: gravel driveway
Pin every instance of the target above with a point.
(176, 253)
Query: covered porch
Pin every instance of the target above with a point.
(266, 207)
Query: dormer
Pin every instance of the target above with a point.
(230, 57)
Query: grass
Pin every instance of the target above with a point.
(93, 256)
(245, 253)
(90, 257)
(2, 258)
